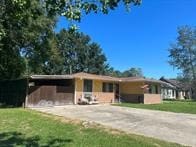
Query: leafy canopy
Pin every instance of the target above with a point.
(183, 55)
(132, 72)
(28, 43)
(73, 9)
(26, 27)
(80, 54)
(183, 52)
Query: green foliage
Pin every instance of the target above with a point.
(74, 9)
(183, 54)
(28, 44)
(183, 106)
(13, 92)
(25, 26)
(67, 52)
(132, 72)
(79, 53)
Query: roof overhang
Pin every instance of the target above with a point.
(141, 80)
(95, 77)
(50, 77)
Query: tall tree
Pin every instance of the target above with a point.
(26, 24)
(24, 27)
(80, 54)
(183, 53)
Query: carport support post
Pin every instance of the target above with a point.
(75, 90)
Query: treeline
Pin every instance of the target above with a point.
(29, 44)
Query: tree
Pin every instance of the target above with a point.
(74, 9)
(24, 28)
(133, 72)
(79, 53)
(183, 53)
(45, 58)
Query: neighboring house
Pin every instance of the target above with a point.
(173, 89)
(49, 90)
(168, 91)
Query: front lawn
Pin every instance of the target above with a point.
(19, 127)
(182, 106)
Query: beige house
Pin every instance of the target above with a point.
(79, 88)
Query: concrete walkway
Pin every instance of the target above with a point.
(173, 127)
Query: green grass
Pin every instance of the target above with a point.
(181, 106)
(20, 127)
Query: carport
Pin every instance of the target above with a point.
(50, 90)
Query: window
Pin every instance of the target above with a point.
(88, 85)
(107, 87)
(173, 93)
(150, 89)
(153, 89)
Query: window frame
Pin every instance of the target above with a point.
(108, 87)
(87, 90)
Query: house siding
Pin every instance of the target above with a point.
(102, 97)
(131, 92)
(131, 87)
(152, 98)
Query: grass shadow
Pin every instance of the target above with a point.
(3, 105)
(12, 139)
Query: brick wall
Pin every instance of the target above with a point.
(152, 98)
(132, 98)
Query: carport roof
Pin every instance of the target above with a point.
(55, 77)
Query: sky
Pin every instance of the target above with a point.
(139, 38)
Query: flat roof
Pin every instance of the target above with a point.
(140, 79)
(83, 75)
(95, 77)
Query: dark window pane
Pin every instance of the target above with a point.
(104, 87)
(107, 87)
(88, 85)
(110, 87)
(156, 87)
(150, 89)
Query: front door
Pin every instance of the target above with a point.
(88, 88)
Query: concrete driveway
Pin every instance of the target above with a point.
(173, 127)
